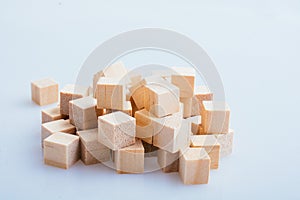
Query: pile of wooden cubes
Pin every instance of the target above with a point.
(124, 119)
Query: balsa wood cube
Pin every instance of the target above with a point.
(215, 117)
(51, 114)
(116, 130)
(187, 106)
(92, 151)
(61, 150)
(82, 113)
(184, 79)
(194, 166)
(44, 91)
(130, 159)
(168, 162)
(226, 142)
(52, 127)
(71, 92)
(202, 93)
(211, 145)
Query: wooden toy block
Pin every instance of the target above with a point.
(127, 109)
(116, 130)
(52, 127)
(211, 145)
(202, 93)
(144, 133)
(61, 150)
(130, 159)
(71, 92)
(195, 124)
(226, 142)
(161, 101)
(187, 106)
(82, 113)
(44, 91)
(195, 107)
(215, 117)
(194, 166)
(184, 79)
(150, 150)
(92, 151)
(168, 162)
(51, 114)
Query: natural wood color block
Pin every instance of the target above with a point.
(92, 151)
(116, 130)
(202, 93)
(211, 145)
(71, 92)
(44, 91)
(51, 114)
(82, 113)
(187, 106)
(195, 107)
(226, 142)
(195, 124)
(168, 162)
(184, 79)
(194, 166)
(215, 117)
(144, 133)
(61, 150)
(130, 159)
(127, 109)
(52, 127)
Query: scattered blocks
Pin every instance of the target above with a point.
(44, 92)
(169, 162)
(211, 145)
(61, 150)
(130, 159)
(194, 166)
(184, 79)
(116, 130)
(226, 142)
(51, 114)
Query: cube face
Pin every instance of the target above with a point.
(187, 106)
(44, 92)
(184, 79)
(226, 142)
(51, 114)
(202, 93)
(169, 162)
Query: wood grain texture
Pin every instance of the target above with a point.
(51, 114)
(44, 91)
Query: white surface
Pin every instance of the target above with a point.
(255, 45)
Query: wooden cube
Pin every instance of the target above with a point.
(116, 130)
(130, 159)
(215, 117)
(127, 109)
(168, 162)
(202, 93)
(52, 127)
(187, 106)
(194, 166)
(82, 113)
(211, 145)
(71, 92)
(92, 151)
(44, 92)
(51, 114)
(195, 124)
(61, 150)
(184, 79)
(226, 142)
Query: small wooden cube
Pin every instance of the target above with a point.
(92, 151)
(116, 130)
(82, 113)
(71, 92)
(61, 150)
(211, 145)
(215, 117)
(52, 127)
(44, 92)
(168, 162)
(51, 114)
(202, 93)
(127, 109)
(187, 106)
(184, 79)
(194, 166)
(130, 159)
(226, 142)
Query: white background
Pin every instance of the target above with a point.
(255, 45)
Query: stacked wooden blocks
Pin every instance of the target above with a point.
(122, 119)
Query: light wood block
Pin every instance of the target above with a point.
(184, 79)
(92, 151)
(226, 142)
(71, 92)
(215, 117)
(61, 150)
(51, 114)
(211, 145)
(194, 166)
(52, 127)
(44, 91)
(187, 106)
(195, 124)
(202, 93)
(130, 159)
(116, 130)
(82, 113)
(168, 162)
(127, 109)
